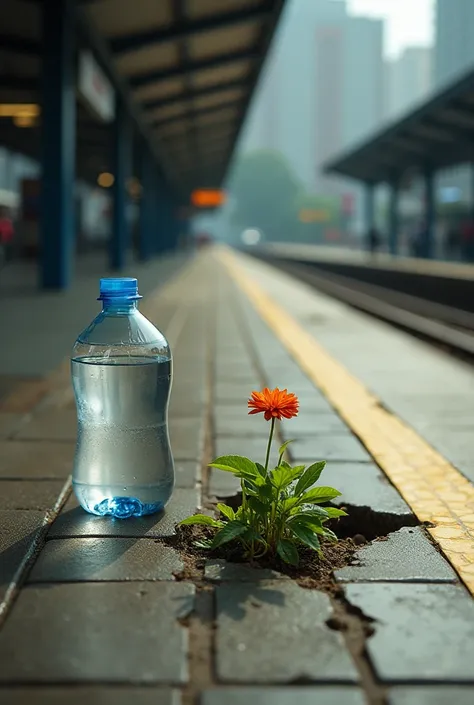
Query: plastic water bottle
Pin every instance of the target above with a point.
(121, 374)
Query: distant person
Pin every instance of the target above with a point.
(417, 240)
(374, 240)
(451, 243)
(6, 235)
(467, 241)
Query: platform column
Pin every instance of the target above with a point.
(147, 230)
(394, 222)
(430, 214)
(369, 206)
(121, 159)
(58, 116)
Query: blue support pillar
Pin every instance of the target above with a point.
(122, 156)
(369, 206)
(57, 220)
(160, 214)
(430, 214)
(147, 232)
(394, 225)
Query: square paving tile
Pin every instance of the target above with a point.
(251, 617)
(18, 532)
(74, 521)
(187, 438)
(93, 559)
(233, 394)
(342, 448)
(50, 425)
(235, 390)
(35, 460)
(422, 632)
(218, 570)
(313, 425)
(103, 632)
(187, 473)
(254, 448)
(404, 556)
(237, 422)
(363, 485)
(28, 494)
(223, 484)
(92, 695)
(431, 695)
(323, 695)
(10, 423)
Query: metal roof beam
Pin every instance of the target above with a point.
(104, 57)
(196, 93)
(191, 114)
(187, 28)
(212, 62)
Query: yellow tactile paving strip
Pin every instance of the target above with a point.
(432, 487)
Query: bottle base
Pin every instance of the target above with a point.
(105, 502)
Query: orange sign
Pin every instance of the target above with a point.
(208, 198)
(311, 215)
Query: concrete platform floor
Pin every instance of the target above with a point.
(106, 611)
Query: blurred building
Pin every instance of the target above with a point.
(454, 49)
(453, 56)
(409, 79)
(322, 88)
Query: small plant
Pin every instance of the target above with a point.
(280, 509)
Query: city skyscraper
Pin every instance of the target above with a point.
(454, 47)
(322, 89)
(453, 56)
(408, 80)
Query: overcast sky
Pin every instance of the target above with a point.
(408, 22)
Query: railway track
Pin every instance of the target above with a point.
(449, 327)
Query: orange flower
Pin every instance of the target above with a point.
(274, 403)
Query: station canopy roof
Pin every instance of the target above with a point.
(436, 135)
(186, 70)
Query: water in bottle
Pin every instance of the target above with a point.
(121, 374)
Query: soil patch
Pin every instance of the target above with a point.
(312, 572)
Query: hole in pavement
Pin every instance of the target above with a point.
(364, 524)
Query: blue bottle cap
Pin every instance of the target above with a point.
(119, 288)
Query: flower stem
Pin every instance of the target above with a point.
(270, 438)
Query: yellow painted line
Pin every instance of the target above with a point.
(434, 489)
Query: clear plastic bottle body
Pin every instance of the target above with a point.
(121, 372)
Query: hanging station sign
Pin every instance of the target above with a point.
(95, 88)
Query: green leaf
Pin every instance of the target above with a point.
(328, 534)
(261, 469)
(266, 491)
(285, 464)
(289, 503)
(307, 535)
(203, 543)
(250, 486)
(258, 507)
(201, 519)
(309, 477)
(288, 552)
(251, 535)
(318, 514)
(318, 495)
(282, 476)
(284, 446)
(226, 511)
(237, 464)
(334, 513)
(229, 531)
